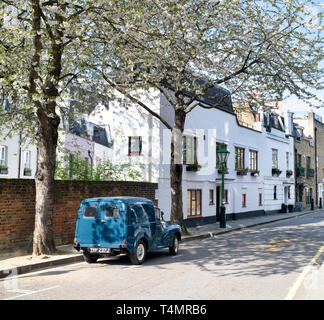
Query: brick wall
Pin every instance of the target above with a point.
(17, 206)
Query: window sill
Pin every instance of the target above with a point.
(193, 217)
(134, 154)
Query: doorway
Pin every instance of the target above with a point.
(218, 200)
(286, 196)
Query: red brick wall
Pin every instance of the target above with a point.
(17, 206)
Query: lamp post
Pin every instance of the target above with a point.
(222, 155)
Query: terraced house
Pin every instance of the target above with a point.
(309, 149)
(90, 138)
(260, 167)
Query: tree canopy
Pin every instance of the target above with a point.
(182, 48)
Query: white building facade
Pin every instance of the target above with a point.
(252, 187)
(17, 160)
(92, 140)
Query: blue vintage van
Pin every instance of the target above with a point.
(114, 225)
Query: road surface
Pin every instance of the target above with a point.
(281, 260)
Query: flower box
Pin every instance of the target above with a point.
(27, 172)
(276, 171)
(289, 173)
(193, 167)
(225, 171)
(3, 170)
(300, 172)
(255, 173)
(310, 172)
(242, 172)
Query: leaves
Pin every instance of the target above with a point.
(72, 166)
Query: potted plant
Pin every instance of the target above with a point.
(242, 172)
(300, 172)
(310, 172)
(289, 173)
(255, 173)
(193, 167)
(3, 169)
(27, 172)
(283, 208)
(276, 171)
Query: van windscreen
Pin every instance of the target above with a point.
(90, 212)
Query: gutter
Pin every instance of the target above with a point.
(19, 158)
(316, 165)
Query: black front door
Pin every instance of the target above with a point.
(218, 191)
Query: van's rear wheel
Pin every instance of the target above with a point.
(90, 258)
(140, 254)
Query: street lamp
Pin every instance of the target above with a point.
(222, 155)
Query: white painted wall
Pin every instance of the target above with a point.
(131, 120)
(211, 126)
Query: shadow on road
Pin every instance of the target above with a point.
(261, 251)
(277, 248)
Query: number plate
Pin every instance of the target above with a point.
(99, 250)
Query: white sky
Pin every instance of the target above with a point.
(295, 105)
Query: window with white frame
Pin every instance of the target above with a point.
(194, 202)
(27, 157)
(253, 160)
(189, 146)
(134, 146)
(275, 158)
(3, 156)
(239, 158)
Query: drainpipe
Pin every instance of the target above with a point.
(19, 157)
(89, 153)
(316, 162)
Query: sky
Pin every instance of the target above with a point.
(293, 104)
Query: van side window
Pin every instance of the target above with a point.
(111, 212)
(149, 209)
(140, 213)
(90, 212)
(131, 216)
(157, 213)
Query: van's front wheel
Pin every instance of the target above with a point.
(90, 258)
(140, 254)
(173, 250)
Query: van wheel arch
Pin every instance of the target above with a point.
(139, 256)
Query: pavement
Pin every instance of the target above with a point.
(11, 264)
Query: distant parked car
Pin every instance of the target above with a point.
(115, 225)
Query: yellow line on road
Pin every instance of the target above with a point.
(293, 290)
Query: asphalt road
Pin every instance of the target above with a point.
(282, 260)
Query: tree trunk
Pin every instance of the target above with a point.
(43, 240)
(48, 122)
(176, 169)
